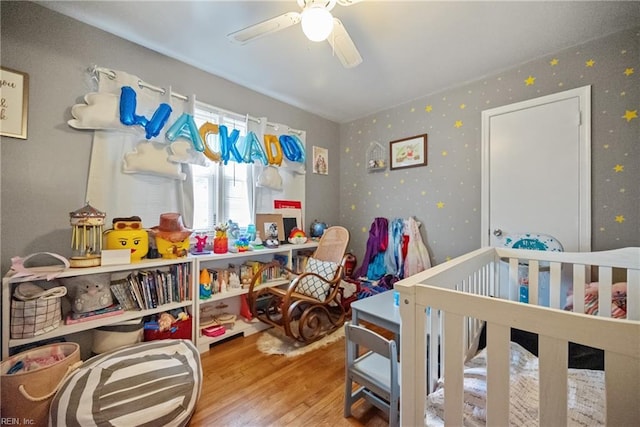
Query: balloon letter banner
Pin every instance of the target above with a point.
(205, 130)
(292, 148)
(128, 115)
(185, 127)
(253, 149)
(228, 143)
(270, 143)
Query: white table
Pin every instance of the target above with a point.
(379, 310)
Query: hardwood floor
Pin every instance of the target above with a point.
(244, 387)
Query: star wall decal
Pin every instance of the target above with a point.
(590, 63)
(618, 168)
(440, 205)
(628, 72)
(428, 108)
(458, 124)
(630, 115)
(530, 81)
(619, 219)
(553, 62)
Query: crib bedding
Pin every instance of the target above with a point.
(585, 401)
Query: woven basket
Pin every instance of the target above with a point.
(26, 396)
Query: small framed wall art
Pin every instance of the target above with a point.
(320, 160)
(408, 152)
(14, 103)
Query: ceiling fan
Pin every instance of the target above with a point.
(317, 24)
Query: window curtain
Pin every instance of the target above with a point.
(128, 173)
(292, 174)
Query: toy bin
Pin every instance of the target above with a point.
(30, 380)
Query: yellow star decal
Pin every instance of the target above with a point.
(553, 62)
(458, 124)
(618, 168)
(440, 205)
(444, 153)
(630, 115)
(346, 150)
(619, 219)
(389, 126)
(590, 63)
(402, 181)
(364, 229)
(530, 81)
(428, 108)
(463, 106)
(412, 109)
(628, 72)
(353, 207)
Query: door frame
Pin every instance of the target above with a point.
(584, 150)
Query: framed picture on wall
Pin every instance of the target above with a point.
(14, 103)
(408, 152)
(320, 160)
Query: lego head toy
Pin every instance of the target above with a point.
(127, 233)
(172, 237)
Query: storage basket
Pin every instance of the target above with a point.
(27, 395)
(35, 311)
(106, 338)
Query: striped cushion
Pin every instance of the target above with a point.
(152, 383)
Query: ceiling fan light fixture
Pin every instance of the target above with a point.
(317, 23)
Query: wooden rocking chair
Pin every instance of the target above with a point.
(310, 307)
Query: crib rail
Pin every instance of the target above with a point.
(449, 301)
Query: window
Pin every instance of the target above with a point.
(221, 192)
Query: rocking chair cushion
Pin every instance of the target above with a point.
(313, 287)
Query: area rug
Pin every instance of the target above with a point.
(273, 341)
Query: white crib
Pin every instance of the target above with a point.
(447, 304)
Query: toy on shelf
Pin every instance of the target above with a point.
(205, 284)
(201, 244)
(221, 241)
(242, 243)
(172, 237)
(128, 233)
(86, 237)
(297, 236)
(257, 243)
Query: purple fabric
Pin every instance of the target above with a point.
(378, 240)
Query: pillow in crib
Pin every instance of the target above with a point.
(314, 287)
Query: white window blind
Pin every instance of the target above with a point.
(221, 192)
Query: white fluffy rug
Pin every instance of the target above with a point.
(272, 341)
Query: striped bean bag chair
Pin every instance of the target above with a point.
(155, 383)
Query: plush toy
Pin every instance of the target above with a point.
(297, 236)
(165, 321)
(89, 293)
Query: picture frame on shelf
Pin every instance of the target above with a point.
(408, 152)
(267, 223)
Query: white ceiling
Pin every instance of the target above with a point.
(410, 49)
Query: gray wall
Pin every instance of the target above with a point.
(452, 175)
(44, 177)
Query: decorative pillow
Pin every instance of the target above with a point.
(311, 285)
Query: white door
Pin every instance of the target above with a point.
(536, 170)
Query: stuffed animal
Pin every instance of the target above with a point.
(89, 293)
(165, 321)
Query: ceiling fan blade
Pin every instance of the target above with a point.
(265, 27)
(343, 46)
(348, 2)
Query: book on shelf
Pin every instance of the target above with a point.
(112, 310)
(121, 290)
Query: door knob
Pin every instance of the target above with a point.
(497, 232)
